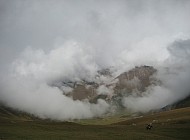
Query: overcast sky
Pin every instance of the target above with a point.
(43, 41)
(101, 24)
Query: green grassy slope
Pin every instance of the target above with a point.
(169, 125)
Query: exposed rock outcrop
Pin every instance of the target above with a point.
(136, 79)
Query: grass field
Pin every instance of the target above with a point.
(169, 125)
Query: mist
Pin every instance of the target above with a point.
(45, 42)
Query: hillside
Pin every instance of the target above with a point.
(168, 125)
(183, 103)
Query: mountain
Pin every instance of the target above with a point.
(135, 80)
(111, 88)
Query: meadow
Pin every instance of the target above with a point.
(167, 125)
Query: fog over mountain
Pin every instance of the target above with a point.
(46, 44)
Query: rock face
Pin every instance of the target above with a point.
(136, 79)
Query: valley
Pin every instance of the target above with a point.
(167, 125)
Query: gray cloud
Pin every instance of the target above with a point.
(45, 41)
(175, 77)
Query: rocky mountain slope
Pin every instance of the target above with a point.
(135, 80)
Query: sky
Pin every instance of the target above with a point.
(44, 41)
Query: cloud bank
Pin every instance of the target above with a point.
(43, 43)
(175, 78)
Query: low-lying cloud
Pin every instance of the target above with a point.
(45, 43)
(174, 76)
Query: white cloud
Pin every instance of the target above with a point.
(71, 40)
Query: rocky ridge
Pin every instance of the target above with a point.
(135, 80)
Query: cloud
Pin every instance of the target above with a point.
(45, 42)
(29, 85)
(69, 61)
(103, 90)
(175, 77)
